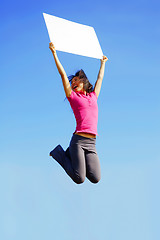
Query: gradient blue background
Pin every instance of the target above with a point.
(38, 200)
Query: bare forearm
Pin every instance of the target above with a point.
(98, 83)
(100, 77)
(65, 81)
(101, 72)
(59, 65)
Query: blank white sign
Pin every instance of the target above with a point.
(73, 37)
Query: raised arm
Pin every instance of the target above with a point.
(65, 81)
(98, 83)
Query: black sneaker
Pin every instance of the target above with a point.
(58, 154)
(67, 153)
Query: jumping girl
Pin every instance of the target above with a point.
(80, 160)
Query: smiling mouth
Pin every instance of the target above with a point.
(75, 87)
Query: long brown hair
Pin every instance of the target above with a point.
(88, 87)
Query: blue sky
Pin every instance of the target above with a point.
(38, 200)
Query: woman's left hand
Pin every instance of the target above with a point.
(104, 59)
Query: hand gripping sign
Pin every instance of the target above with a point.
(73, 37)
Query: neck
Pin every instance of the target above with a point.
(84, 92)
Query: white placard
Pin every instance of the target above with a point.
(73, 37)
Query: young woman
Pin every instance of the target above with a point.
(80, 160)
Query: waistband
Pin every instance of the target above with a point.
(78, 137)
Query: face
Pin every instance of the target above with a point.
(77, 85)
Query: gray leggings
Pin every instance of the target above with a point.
(81, 160)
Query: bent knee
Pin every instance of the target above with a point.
(95, 179)
(79, 179)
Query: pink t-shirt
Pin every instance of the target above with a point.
(85, 110)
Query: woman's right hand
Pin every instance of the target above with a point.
(52, 47)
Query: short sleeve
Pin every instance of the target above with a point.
(72, 96)
(95, 94)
